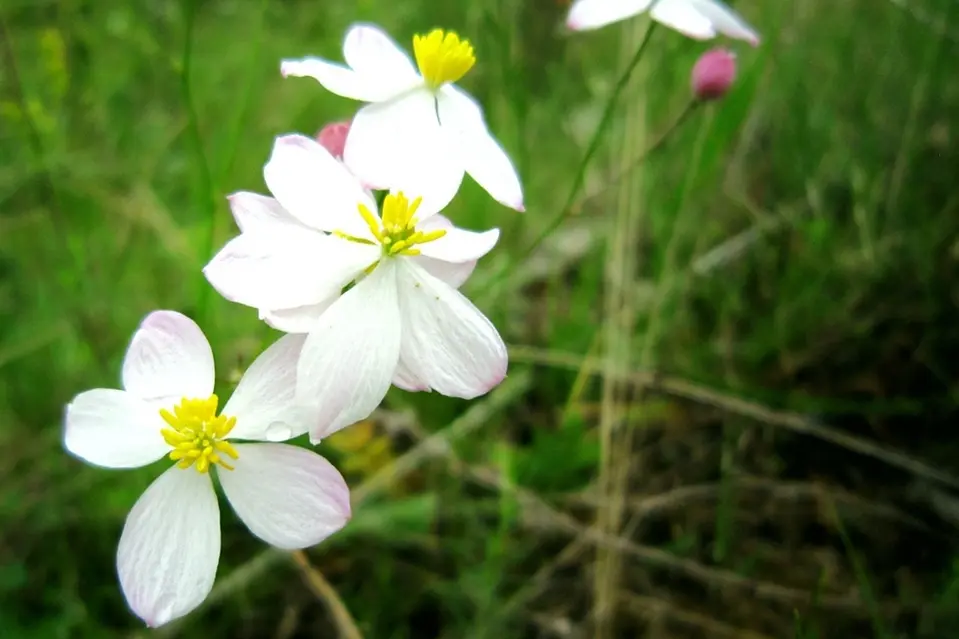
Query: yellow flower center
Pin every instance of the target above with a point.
(396, 232)
(197, 434)
(442, 57)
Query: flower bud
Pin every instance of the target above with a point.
(332, 137)
(713, 74)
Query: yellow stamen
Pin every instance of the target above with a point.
(197, 433)
(442, 57)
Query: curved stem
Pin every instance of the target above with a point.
(591, 151)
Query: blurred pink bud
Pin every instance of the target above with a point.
(713, 74)
(332, 137)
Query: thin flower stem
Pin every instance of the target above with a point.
(591, 150)
(327, 593)
(633, 164)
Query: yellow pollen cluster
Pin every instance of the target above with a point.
(197, 434)
(398, 234)
(442, 57)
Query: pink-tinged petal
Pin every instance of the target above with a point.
(287, 496)
(113, 429)
(398, 145)
(168, 357)
(454, 274)
(349, 357)
(404, 378)
(683, 16)
(481, 155)
(286, 270)
(316, 187)
(447, 342)
(170, 547)
(263, 402)
(460, 245)
(338, 79)
(592, 14)
(726, 21)
(301, 319)
(255, 213)
(372, 54)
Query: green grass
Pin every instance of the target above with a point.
(793, 246)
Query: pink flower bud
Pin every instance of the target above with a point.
(332, 137)
(713, 74)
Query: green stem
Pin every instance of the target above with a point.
(584, 163)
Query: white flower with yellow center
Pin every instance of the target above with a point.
(401, 319)
(699, 19)
(413, 108)
(170, 546)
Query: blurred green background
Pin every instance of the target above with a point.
(731, 406)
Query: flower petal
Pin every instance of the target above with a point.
(482, 156)
(398, 145)
(113, 429)
(350, 356)
(170, 547)
(256, 213)
(453, 274)
(592, 14)
(286, 270)
(404, 378)
(726, 21)
(316, 187)
(447, 342)
(460, 245)
(684, 17)
(263, 400)
(372, 54)
(300, 319)
(287, 496)
(338, 79)
(168, 357)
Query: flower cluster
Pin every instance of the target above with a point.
(351, 257)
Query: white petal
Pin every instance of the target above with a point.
(316, 187)
(113, 429)
(338, 79)
(460, 245)
(404, 378)
(453, 274)
(481, 155)
(398, 145)
(592, 14)
(300, 319)
(349, 357)
(263, 402)
(258, 213)
(447, 342)
(726, 21)
(372, 54)
(168, 357)
(170, 547)
(286, 270)
(683, 17)
(287, 496)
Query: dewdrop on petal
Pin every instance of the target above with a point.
(332, 137)
(713, 74)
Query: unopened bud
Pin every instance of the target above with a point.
(713, 74)
(332, 137)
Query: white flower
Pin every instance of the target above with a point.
(170, 546)
(413, 109)
(699, 19)
(402, 320)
